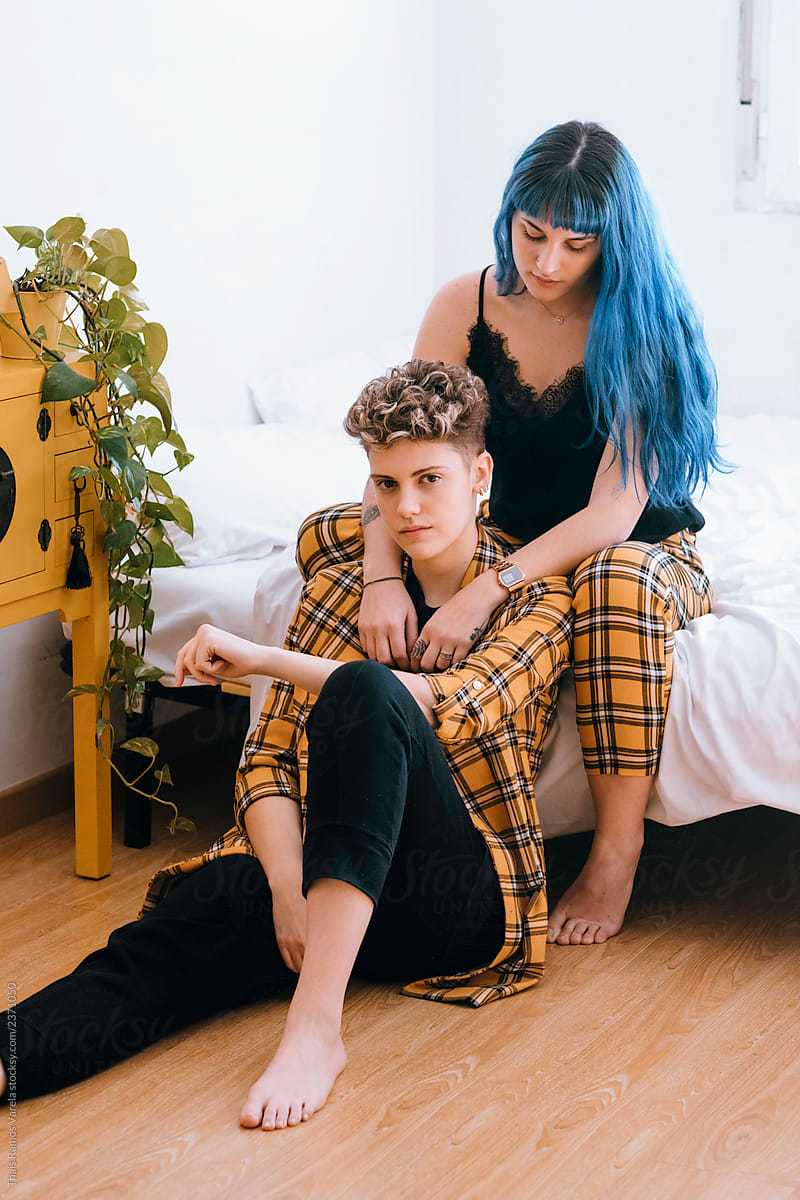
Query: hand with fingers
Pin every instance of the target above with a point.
(289, 919)
(212, 655)
(453, 630)
(387, 622)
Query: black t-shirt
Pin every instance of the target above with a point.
(546, 453)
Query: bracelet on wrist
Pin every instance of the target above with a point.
(383, 579)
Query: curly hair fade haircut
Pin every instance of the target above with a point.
(424, 401)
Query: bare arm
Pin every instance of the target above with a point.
(387, 621)
(274, 827)
(212, 654)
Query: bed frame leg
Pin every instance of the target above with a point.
(138, 809)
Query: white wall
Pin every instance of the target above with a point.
(663, 78)
(273, 167)
(305, 174)
(271, 164)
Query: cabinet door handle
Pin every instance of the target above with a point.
(44, 424)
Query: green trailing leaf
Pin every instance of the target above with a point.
(100, 726)
(121, 537)
(165, 556)
(128, 382)
(83, 689)
(155, 339)
(160, 485)
(135, 474)
(181, 515)
(133, 323)
(26, 235)
(158, 511)
(80, 472)
(117, 268)
(110, 241)
(62, 383)
(114, 444)
(141, 745)
(66, 231)
(164, 775)
(135, 609)
(112, 482)
(147, 431)
(182, 823)
(182, 459)
(148, 673)
(115, 312)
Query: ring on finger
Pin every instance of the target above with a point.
(446, 654)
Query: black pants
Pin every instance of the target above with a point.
(383, 814)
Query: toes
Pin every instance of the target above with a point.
(269, 1119)
(252, 1113)
(577, 931)
(295, 1113)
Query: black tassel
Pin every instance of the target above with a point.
(78, 573)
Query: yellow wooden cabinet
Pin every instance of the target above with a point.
(39, 444)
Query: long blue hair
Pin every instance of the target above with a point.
(647, 365)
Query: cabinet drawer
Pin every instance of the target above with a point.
(23, 493)
(62, 485)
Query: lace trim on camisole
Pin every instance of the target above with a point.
(519, 396)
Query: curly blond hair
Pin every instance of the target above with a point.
(424, 401)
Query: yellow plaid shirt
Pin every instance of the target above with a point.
(493, 710)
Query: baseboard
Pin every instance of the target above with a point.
(36, 798)
(181, 741)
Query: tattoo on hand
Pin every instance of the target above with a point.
(370, 514)
(476, 633)
(419, 648)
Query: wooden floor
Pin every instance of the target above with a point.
(661, 1065)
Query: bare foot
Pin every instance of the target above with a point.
(593, 908)
(299, 1079)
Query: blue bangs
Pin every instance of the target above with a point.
(563, 207)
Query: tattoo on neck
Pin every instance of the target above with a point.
(370, 514)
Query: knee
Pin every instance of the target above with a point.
(353, 696)
(627, 575)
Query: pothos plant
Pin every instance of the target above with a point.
(104, 327)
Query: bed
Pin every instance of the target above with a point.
(732, 737)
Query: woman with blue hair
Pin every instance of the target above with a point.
(603, 404)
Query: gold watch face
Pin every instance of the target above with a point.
(511, 576)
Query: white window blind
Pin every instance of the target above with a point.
(768, 116)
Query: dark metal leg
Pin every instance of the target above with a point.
(138, 809)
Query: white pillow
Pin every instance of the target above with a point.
(321, 392)
(250, 486)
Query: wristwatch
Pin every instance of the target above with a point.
(510, 575)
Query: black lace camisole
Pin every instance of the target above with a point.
(545, 450)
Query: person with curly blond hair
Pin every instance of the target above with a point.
(385, 819)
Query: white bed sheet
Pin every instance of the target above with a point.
(219, 594)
